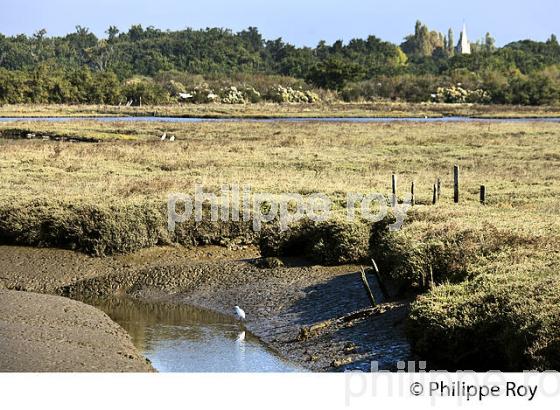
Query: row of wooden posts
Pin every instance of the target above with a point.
(435, 198)
(436, 189)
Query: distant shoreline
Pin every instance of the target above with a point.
(271, 111)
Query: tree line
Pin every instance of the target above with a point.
(158, 66)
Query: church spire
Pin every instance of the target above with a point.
(464, 47)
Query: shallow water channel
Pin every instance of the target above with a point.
(182, 338)
(284, 119)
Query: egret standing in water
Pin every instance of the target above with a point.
(239, 313)
(240, 337)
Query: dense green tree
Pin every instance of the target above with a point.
(489, 43)
(334, 73)
(450, 42)
(112, 33)
(423, 43)
(155, 64)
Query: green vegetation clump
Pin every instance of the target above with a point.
(106, 229)
(330, 242)
(289, 95)
(508, 321)
(488, 295)
(460, 95)
(424, 254)
(94, 229)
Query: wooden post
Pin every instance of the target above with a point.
(482, 194)
(379, 281)
(438, 188)
(367, 288)
(432, 284)
(413, 199)
(456, 184)
(394, 190)
(434, 195)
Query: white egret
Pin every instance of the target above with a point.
(239, 313)
(172, 138)
(240, 337)
(164, 136)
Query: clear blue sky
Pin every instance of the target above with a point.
(296, 21)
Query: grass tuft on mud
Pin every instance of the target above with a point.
(102, 230)
(329, 242)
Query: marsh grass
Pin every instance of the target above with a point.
(488, 275)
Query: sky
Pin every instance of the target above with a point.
(299, 22)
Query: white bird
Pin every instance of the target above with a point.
(172, 138)
(240, 337)
(164, 136)
(239, 313)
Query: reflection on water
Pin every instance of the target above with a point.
(180, 338)
(285, 119)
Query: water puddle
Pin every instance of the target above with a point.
(181, 338)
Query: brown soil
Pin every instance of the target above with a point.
(297, 308)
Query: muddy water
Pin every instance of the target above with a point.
(179, 338)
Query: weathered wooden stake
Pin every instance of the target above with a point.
(432, 284)
(438, 188)
(434, 195)
(367, 288)
(394, 190)
(456, 184)
(413, 199)
(379, 281)
(482, 194)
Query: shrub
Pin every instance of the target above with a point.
(174, 88)
(330, 242)
(414, 88)
(456, 94)
(108, 229)
(507, 322)
(144, 90)
(289, 95)
(252, 95)
(423, 253)
(232, 95)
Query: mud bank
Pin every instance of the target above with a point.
(314, 315)
(44, 333)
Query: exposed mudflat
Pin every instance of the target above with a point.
(44, 270)
(317, 316)
(45, 333)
